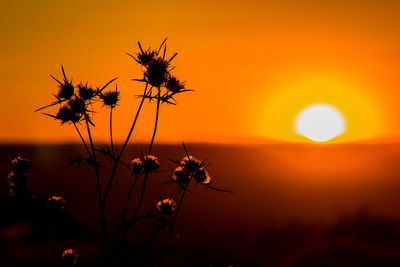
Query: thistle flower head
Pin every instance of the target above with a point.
(69, 256)
(86, 92)
(65, 90)
(77, 104)
(157, 71)
(110, 98)
(136, 166)
(190, 164)
(20, 165)
(56, 202)
(181, 176)
(67, 114)
(144, 57)
(202, 176)
(174, 85)
(16, 182)
(150, 163)
(166, 206)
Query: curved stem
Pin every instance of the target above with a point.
(141, 198)
(103, 220)
(164, 250)
(149, 152)
(125, 229)
(124, 209)
(94, 158)
(156, 122)
(83, 140)
(117, 160)
(139, 205)
(111, 134)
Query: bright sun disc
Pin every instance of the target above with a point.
(320, 122)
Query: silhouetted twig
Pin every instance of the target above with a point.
(117, 160)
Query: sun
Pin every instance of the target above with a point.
(320, 122)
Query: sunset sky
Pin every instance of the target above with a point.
(253, 64)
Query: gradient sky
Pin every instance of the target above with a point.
(254, 65)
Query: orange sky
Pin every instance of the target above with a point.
(254, 65)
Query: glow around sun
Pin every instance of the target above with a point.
(320, 122)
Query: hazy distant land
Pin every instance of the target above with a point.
(302, 204)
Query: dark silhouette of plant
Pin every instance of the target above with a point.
(77, 107)
(18, 175)
(29, 208)
(69, 256)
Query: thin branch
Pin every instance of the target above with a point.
(83, 141)
(107, 84)
(164, 250)
(163, 42)
(149, 152)
(156, 122)
(49, 105)
(117, 160)
(111, 134)
(101, 206)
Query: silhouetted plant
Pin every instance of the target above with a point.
(56, 202)
(166, 206)
(76, 106)
(18, 175)
(69, 256)
(189, 169)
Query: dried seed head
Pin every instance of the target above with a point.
(77, 105)
(174, 85)
(166, 206)
(150, 163)
(144, 57)
(202, 176)
(136, 166)
(69, 256)
(66, 90)
(190, 164)
(181, 176)
(157, 71)
(16, 183)
(56, 202)
(66, 114)
(86, 92)
(20, 165)
(110, 98)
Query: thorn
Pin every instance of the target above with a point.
(173, 57)
(140, 46)
(184, 147)
(62, 68)
(163, 42)
(55, 79)
(165, 50)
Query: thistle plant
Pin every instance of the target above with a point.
(75, 105)
(166, 206)
(55, 203)
(18, 175)
(69, 257)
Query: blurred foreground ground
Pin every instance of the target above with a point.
(294, 205)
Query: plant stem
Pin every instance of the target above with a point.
(156, 122)
(117, 160)
(53, 244)
(164, 250)
(101, 206)
(83, 141)
(125, 227)
(124, 209)
(149, 152)
(111, 134)
(139, 205)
